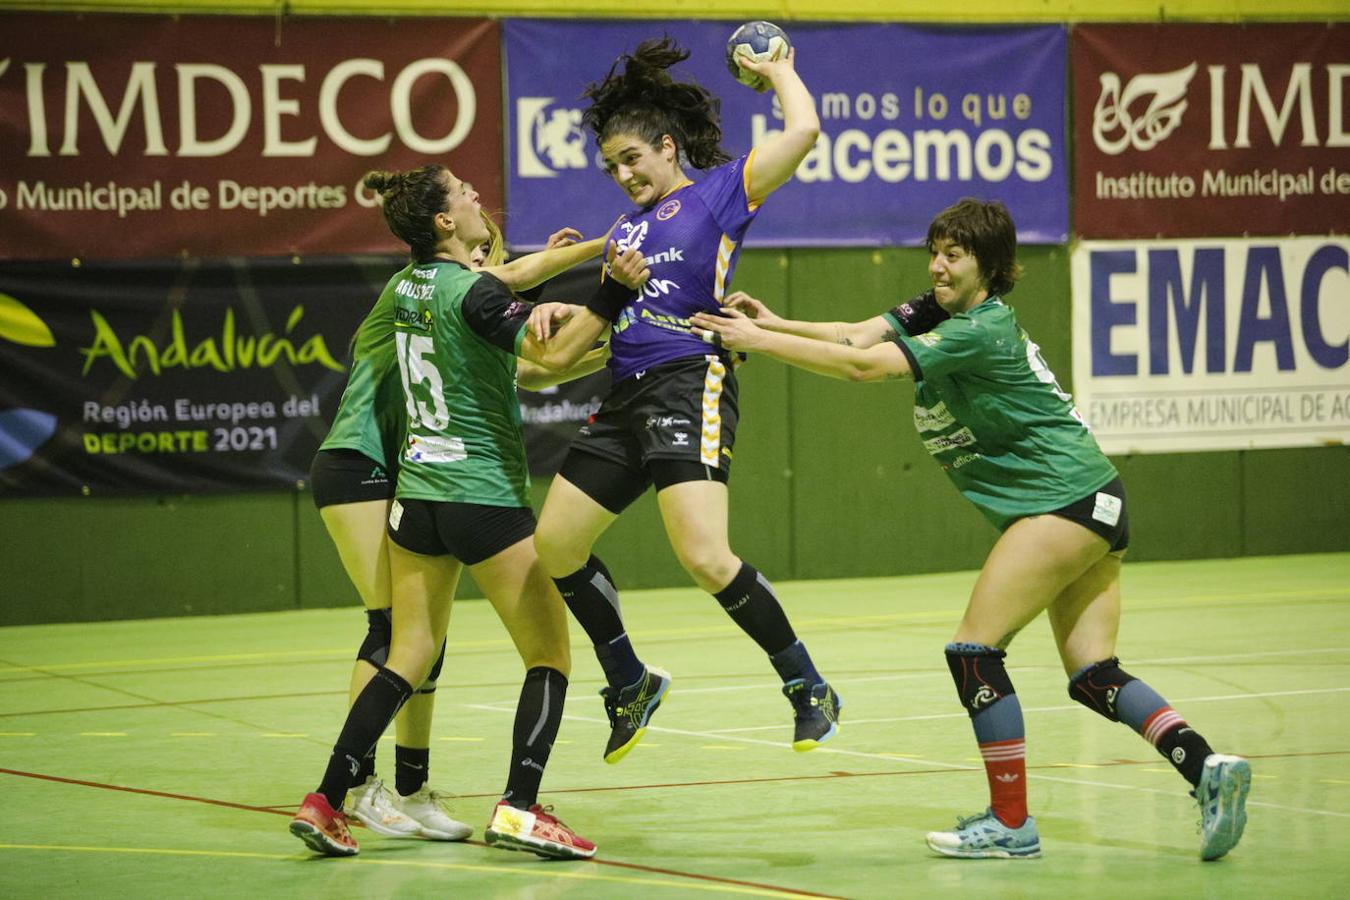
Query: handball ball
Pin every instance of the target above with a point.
(758, 41)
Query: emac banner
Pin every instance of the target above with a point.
(1213, 345)
(172, 377)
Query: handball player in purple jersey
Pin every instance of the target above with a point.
(669, 421)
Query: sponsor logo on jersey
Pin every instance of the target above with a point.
(960, 438)
(681, 439)
(413, 318)
(434, 448)
(674, 254)
(935, 419)
(929, 339)
(668, 210)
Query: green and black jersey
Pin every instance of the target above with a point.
(370, 417)
(990, 412)
(456, 335)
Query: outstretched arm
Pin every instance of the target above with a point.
(866, 333)
(524, 272)
(737, 332)
(534, 377)
(778, 155)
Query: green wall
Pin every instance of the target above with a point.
(829, 481)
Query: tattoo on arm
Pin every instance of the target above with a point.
(840, 337)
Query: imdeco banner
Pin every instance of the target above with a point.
(1213, 344)
(149, 136)
(1200, 130)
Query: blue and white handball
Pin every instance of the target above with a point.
(759, 41)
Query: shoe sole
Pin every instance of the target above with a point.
(1233, 788)
(432, 834)
(985, 854)
(614, 756)
(316, 840)
(547, 851)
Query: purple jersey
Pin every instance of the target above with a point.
(690, 238)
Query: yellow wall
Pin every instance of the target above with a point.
(786, 10)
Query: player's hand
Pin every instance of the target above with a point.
(547, 318)
(563, 237)
(767, 70)
(732, 330)
(629, 268)
(752, 307)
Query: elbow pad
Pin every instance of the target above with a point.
(920, 315)
(609, 299)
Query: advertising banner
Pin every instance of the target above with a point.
(172, 377)
(912, 119)
(150, 136)
(1212, 345)
(202, 376)
(1211, 130)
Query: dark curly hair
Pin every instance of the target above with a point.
(411, 201)
(985, 229)
(639, 97)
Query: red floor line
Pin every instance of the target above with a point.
(674, 873)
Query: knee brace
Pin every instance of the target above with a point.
(981, 680)
(429, 686)
(379, 632)
(1098, 687)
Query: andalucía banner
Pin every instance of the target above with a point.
(173, 377)
(154, 136)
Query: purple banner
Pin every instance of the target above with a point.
(912, 119)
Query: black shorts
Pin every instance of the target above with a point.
(470, 532)
(348, 476)
(675, 422)
(1103, 512)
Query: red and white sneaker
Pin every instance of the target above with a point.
(322, 828)
(536, 830)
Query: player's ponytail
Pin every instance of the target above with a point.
(410, 201)
(639, 97)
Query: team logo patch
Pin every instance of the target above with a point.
(668, 210)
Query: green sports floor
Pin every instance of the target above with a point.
(164, 757)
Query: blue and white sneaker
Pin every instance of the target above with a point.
(984, 837)
(1222, 794)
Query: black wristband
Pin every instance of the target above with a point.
(609, 298)
(920, 315)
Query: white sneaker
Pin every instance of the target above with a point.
(426, 809)
(372, 803)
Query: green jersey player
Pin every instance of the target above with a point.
(991, 414)
(456, 334)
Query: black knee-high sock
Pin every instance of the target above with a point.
(410, 769)
(752, 604)
(590, 594)
(538, 715)
(367, 769)
(370, 715)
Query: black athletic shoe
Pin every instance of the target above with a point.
(630, 709)
(816, 709)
